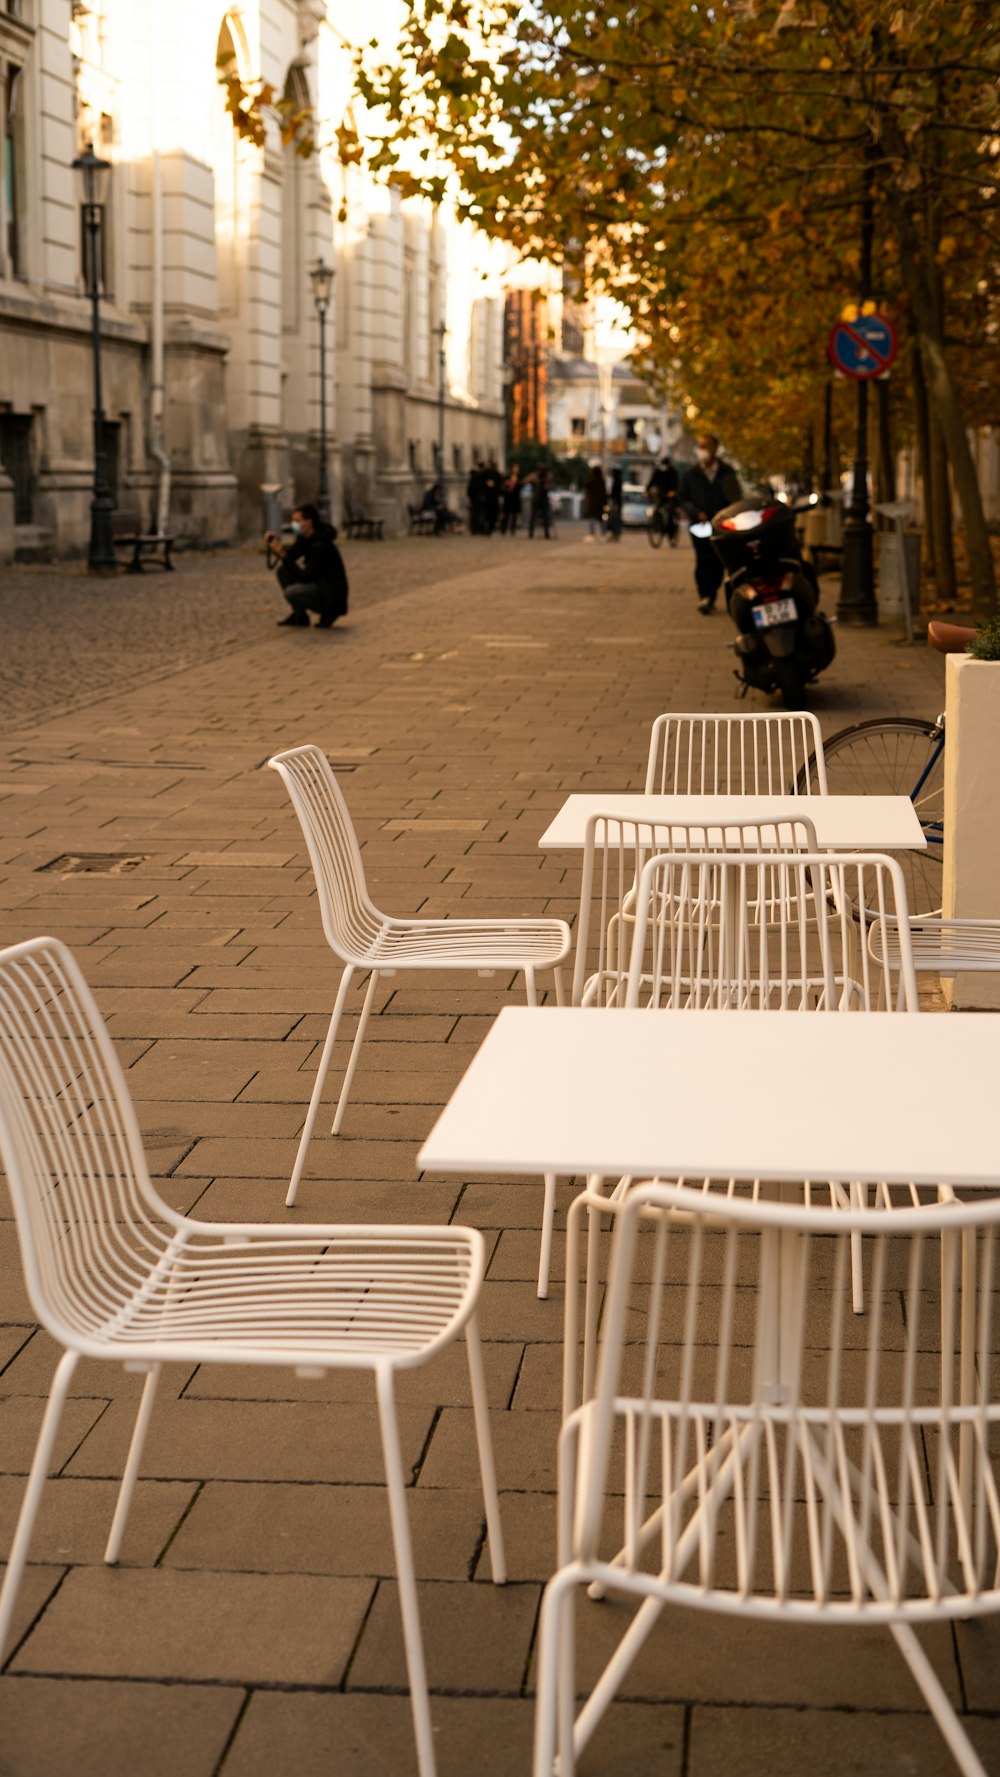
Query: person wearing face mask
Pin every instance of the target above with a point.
(311, 571)
(707, 485)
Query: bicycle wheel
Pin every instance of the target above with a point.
(655, 530)
(895, 756)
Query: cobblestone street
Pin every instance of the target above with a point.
(252, 1626)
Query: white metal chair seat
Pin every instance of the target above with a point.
(468, 944)
(746, 1451)
(367, 940)
(256, 1294)
(113, 1272)
(939, 946)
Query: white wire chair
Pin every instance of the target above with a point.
(616, 851)
(757, 755)
(767, 932)
(365, 939)
(113, 1272)
(943, 947)
(745, 1453)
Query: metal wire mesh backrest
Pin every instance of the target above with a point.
(767, 933)
(615, 852)
(749, 1434)
(736, 755)
(86, 1212)
(350, 921)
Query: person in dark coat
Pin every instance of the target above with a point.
(511, 502)
(491, 496)
(707, 485)
(615, 497)
(475, 493)
(435, 503)
(595, 498)
(311, 571)
(541, 504)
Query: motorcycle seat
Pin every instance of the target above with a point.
(949, 638)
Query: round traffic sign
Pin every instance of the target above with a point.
(864, 347)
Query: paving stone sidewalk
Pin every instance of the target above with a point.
(252, 1626)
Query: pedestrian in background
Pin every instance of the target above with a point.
(475, 493)
(511, 502)
(491, 496)
(707, 485)
(615, 506)
(310, 570)
(595, 498)
(541, 504)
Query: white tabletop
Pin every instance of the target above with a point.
(843, 823)
(773, 1095)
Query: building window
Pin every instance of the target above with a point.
(414, 456)
(456, 457)
(12, 199)
(578, 428)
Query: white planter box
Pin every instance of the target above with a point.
(972, 809)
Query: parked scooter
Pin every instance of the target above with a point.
(772, 595)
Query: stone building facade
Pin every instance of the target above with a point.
(210, 338)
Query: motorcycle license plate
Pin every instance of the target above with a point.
(778, 611)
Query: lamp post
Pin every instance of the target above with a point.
(442, 333)
(857, 585)
(321, 275)
(94, 175)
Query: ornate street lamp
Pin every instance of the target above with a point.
(322, 283)
(94, 176)
(441, 331)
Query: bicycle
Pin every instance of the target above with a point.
(663, 523)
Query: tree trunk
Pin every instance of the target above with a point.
(941, 501)
(886, 456)
(922, 433)
(946, 408)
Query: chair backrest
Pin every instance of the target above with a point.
(615, 852)
(350, 921)
(769, 932)
(756, 755)
(90, 1224)
(776, 1446)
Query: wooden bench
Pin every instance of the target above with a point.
(423, 523)
(127, 535)
(358, 524)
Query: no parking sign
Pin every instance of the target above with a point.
(863, 347)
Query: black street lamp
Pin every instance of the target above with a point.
(94, 176)
(857, 584)
(441, 331)
(322, 283)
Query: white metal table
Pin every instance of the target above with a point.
(843, 823)
(881, 1097)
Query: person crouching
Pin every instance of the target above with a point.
(311, 571)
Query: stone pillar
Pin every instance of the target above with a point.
(972, 810)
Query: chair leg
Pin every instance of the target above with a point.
(352, 1064)
(938, 1703)
(33, 1492)
(484, 1442)
(560, 988)
(859, 1200)
(133, 1460)
(529, 987)
(396, 1485)
(554, 1702)
(317, 1091)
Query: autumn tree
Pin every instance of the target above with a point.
(707, 162)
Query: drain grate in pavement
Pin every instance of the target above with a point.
(93, 863)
